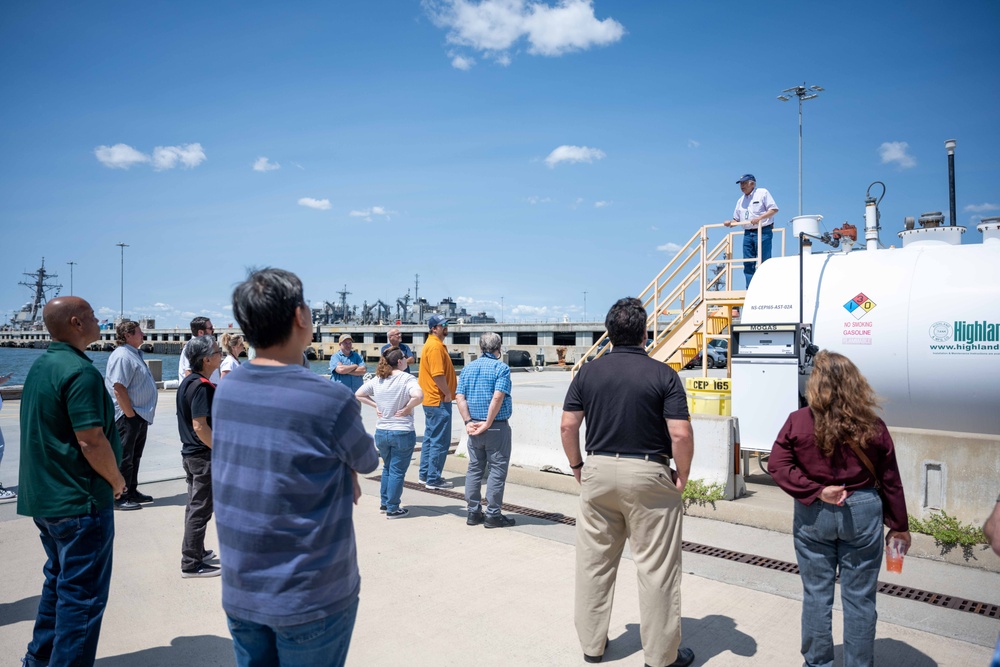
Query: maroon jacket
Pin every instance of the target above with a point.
(799, 468)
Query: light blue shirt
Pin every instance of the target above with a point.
(353, 382)
(127, 368)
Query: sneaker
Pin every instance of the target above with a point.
(7, 494)
(398, 514)
(443, 484)
(209, 555)
(140, 498)
(381, 509)
(422, 480)
(201, 572)
(127, 505)
(475, 518)
(498, 521)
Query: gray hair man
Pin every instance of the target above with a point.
(754, 211)
(483, 397)
(637, 421)
(133, 390)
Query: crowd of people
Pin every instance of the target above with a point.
(274, 451)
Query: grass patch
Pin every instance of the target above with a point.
(698, 492)
(949, 533)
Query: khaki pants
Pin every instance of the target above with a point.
(636, 500)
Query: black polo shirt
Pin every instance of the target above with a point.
(625, 397)
(194, 399)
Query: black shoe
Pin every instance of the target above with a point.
(140, 498)
(596, 658)
(208, 555)
(201, 572)
(127, 505)
(685, 657)
(475, 518)
(498, 521)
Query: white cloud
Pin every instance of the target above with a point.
(573, 154)
(120, 156)
(494, 26)
(318, 204)
(228, 307)
(692, 143)
(263, 164)
(188, 155)
(602, 204)
(463, 63)
(368, 214)
(162, 306)
(654, 228)
(670, 248)
(895, 151)
(985, 207)
(535, 199)
(105, 310)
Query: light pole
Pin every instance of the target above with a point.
(585, 306)
(71, 265)
(803, 93)
(501, 310)
(122, 246)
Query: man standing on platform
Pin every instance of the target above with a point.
(396, 340)
(637, 420)
(133, 390)
(438, 381)
(69, 480)
(200, 326)
(347, 366)
(287, 450)
(483, 399)
(754, 211)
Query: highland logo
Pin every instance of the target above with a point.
(859, 306)
(977, 332)
(962, 337)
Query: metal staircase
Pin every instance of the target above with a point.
(686, 302)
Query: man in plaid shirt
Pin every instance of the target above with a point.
(483, 397)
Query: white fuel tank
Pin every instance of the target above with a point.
(922, 323)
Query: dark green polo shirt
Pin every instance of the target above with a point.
(63, 393)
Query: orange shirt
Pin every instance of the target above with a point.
(435, 362)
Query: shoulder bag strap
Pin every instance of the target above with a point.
(867, 462)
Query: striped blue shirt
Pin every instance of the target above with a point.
(477, 383)
(284, 444)
(127, 368)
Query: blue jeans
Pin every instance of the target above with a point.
(396, 450)
(491, 446)
(848, 538)
(750, 250)
(75, 592)
(321, 643)
(437, 440)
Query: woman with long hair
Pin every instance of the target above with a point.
(233, 345)
(836, 458)
(393, 392)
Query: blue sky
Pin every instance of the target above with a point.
(525, 150)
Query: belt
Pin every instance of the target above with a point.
(655, 458)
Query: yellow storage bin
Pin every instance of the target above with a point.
(709, 396)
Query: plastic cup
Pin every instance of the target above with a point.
(894, 553)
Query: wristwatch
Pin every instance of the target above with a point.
(577, 466)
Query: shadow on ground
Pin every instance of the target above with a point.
(203, 650)
(22, 610)
(707, 637)
(892, 652)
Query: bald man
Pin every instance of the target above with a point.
(69, 480)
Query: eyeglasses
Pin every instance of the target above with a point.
(217, 352)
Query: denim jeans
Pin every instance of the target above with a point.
(75, 592)
(492, 446)
(198, 511)
(321, 643)
(750, 250)
(396, 450)
(848, 538)
(437, 440)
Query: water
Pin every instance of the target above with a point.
(18, 361)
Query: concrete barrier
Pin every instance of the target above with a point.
(536, 444)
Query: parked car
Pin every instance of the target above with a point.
(718, 352)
